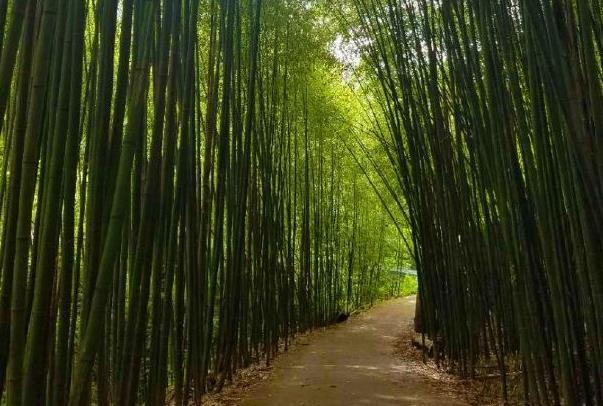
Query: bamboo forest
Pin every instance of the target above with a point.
(188, 188)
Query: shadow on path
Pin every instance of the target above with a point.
(351, 364)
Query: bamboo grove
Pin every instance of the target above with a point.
(491, 115)
(173, 202)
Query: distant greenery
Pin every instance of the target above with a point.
(409, 286)
(491, 116)
(184, 185)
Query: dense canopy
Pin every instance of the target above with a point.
(185, 185)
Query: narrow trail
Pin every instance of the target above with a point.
(351, 364)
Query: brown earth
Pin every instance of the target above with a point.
(355, 363)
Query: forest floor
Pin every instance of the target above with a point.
(367, 360)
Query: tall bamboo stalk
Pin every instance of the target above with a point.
(173, 206)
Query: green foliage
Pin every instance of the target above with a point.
(490, 113)
(177, 195)
(410, 286)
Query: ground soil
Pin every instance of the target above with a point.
(358, 362)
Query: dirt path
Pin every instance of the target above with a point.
(351, 364)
